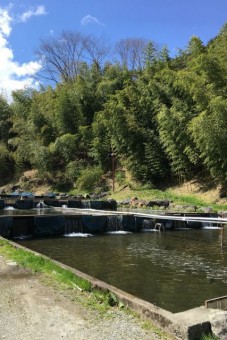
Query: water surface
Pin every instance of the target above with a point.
(176, 270)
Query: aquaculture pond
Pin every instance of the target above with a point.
(176, 270)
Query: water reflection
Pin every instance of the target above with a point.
(176, 270)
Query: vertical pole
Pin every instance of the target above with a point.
(222, 233)
(221, 236)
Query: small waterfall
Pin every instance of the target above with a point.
(73, 224)
(210, 226)
(86, 205)
(9, 208)
(114, 223)
(41, 205)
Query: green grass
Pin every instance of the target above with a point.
(155, 194)
(209, 337)
(39, 264)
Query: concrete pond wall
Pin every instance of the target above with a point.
(29, 203)
(43, 225)
(57, 225)
(60, 224)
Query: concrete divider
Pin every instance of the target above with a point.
(129, 223)
(22, 226)
(6, 226)
(24, 204)
(75, 204)
(49, 225)
(94, 224)
(2, 204)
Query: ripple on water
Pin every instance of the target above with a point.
(169, 266)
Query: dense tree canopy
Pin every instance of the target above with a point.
(162, 117)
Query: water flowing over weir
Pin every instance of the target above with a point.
(73, 225)
(41, 222)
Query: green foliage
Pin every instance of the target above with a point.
(65, 145)
(74, 168)
(209, 337)
(6, 115)
(120, 177)
(6, 164)
(209, 130)
(89, 179)
(164, 118)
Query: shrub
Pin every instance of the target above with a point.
(89, 179)
(6, 164)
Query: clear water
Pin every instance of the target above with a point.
(176, 270)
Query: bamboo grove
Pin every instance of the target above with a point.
(164, 118)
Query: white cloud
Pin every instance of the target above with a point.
(88, 19)
(5, 20)
(40, 10)
(13, 75)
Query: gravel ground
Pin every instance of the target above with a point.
(32, 310)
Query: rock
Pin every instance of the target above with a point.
(15, 187)
(142, 204)
(219, 324)
(12, 263)
(127, 201)
(100, 195)
(159, 203)
(206, 210)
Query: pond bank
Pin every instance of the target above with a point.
(31, 309)
(187, 325)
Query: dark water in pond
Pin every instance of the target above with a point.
(175, 270)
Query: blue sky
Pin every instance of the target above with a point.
(166, 22)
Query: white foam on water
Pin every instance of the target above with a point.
(118, 232)
(149, 230)
(77, 235)
(183, 229)
(9, 208)
(211, 228)
(22, 237)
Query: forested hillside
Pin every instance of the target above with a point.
(161, 118)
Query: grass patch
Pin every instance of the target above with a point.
(39, 264)
(149, 326)
(155, 194)
(209, 337)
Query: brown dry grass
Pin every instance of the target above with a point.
(211, 195)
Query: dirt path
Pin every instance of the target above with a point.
(31, 310)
